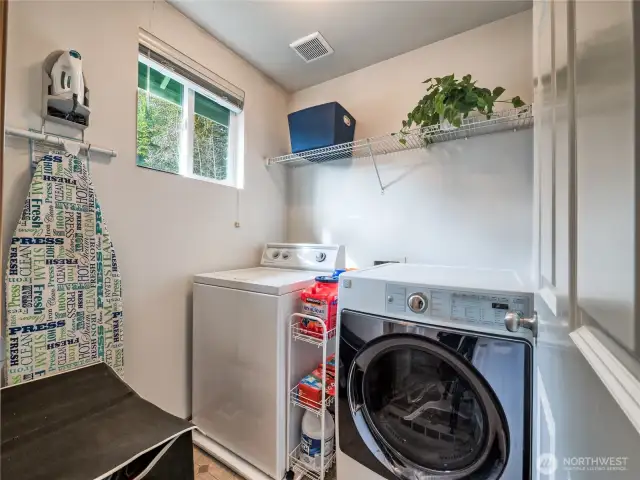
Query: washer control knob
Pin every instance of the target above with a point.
(418, 303)
(513, 320)
(321, 257)
(276, 254)
(285, 255)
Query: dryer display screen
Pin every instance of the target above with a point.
(475, 308)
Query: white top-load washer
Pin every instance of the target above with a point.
(240, 320)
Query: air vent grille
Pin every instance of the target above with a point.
(312, 47)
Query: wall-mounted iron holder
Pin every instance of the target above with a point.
(60, 109)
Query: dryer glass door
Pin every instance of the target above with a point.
(428, 408)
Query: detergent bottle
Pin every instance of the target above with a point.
(310, 446)
(320, 300)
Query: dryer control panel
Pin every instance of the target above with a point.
(487, 308)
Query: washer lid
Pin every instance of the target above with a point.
(270, 281)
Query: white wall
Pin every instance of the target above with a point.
(458, 203)
(164, 227)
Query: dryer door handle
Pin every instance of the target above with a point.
(513, 320)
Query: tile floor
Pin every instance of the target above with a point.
(206, 468)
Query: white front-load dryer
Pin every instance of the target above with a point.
(432, 385)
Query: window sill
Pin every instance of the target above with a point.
(209, 180)
(193, 177)
(623, 386)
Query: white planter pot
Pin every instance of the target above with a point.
(446, 126)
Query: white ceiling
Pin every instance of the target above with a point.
(361, 32)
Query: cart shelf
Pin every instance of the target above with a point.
(300, 468)
(302, 335)
(296, 468)
(310, 405)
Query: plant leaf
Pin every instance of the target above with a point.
(517, 102)
(452, 99)
(471, 98)
(489, 102)
(439, 104)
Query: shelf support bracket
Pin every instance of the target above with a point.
(375, 166)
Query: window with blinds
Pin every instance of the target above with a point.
(186, 119)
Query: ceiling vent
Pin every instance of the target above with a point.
(312, 47)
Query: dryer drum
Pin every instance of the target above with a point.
(428, 409)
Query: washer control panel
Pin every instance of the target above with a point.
(418, 303)
(461, 306)
(303, 256)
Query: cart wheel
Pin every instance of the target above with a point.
(289, 475)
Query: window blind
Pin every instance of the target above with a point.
(155, 49)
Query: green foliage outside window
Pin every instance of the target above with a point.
(210, 139)
(160, 128)
(210, 147)
(159, 133)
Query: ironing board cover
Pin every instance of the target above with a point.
(63, 291)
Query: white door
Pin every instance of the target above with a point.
(582, 63)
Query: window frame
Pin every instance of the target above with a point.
(185, 162)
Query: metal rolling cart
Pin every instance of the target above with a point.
(326, 342)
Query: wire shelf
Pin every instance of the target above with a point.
(300, 468)
(511, 119)
(310, 405)
(297, 333)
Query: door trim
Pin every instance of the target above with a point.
(623, 385)
(4, 14)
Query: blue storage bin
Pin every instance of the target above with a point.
(320, 126)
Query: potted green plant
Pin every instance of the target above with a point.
(448, 101)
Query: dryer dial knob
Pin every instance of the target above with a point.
(417, 303)
(321, 257)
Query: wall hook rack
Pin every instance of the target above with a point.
(58, 141)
